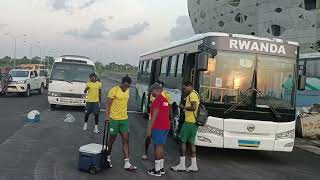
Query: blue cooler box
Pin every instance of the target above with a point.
(90, 158)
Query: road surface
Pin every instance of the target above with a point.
(49, 150)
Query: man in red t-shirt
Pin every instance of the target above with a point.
(158, 127)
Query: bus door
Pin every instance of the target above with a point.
(189, 69)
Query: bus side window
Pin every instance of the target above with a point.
(180, 63)
(173, 67)
(146, 68)
(141, 67)
(164, 66)
(169, 66)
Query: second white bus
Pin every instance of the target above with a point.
(68, 80)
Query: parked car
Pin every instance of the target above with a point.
(26, 81)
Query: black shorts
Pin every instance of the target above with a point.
(92, 107)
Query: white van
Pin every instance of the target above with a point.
(68, 80)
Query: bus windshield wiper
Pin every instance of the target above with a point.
(252, 90)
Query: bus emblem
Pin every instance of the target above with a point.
(251, 127)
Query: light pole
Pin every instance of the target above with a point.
(15, 46)
(31, 45)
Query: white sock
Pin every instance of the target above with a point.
(96, 127)
(157, 164)
(194, 162)
(161, 163)
(127, 163)
(109, 158)
(182, 161)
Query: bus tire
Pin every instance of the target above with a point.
(175, 119)
(144, 107)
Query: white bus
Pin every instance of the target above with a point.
(248, 85)
(68, 80)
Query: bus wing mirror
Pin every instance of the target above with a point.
(202, 63)
(302, 82)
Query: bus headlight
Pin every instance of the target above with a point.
(286, 135)
(210, 130)
(54, 94)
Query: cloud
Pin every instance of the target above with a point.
(96, 30)
(126, 33)
(182, 30)
(2, 26)
(87, 4)
(70, 5)
(59, 4)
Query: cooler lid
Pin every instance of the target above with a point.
(91, 148)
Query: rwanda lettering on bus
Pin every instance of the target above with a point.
(264, 47)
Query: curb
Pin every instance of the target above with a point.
(308, 145)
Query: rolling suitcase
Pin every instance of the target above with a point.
(92, 157)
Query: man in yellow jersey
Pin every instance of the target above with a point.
(117, 114)
(167, 95)
(189, 129)
(93, 101)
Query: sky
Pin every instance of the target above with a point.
(105, 30)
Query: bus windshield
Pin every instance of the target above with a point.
(71, 72)
(276, 81)
(230, 75)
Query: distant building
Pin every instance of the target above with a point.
(296, 20)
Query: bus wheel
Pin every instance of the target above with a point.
(144, 108)
(175, 118)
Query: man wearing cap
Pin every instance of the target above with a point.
(167, 95)
(158, 128)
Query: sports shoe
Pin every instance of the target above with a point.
(96, 130)
(162, 171)
(153, 172)
(108, 164)
(192, 169)
(179, 168)
(144, 157)
(85, 126)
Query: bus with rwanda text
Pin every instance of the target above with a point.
(248, 85)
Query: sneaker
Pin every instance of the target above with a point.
(153, 172)
(192, 169)
(85, 126)
(108, 164)
(162, 171)
(96, 130)
(144, 157)
(179, 168)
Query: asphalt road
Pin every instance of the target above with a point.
(49, 150)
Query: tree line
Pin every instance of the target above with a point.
(48, 60)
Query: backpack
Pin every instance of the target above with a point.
(202, 114)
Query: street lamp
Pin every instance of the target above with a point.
(31, 45)
(15, 46)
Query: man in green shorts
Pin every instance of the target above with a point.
(117, 114)
(189, 129)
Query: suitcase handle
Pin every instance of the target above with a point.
(104, 142)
